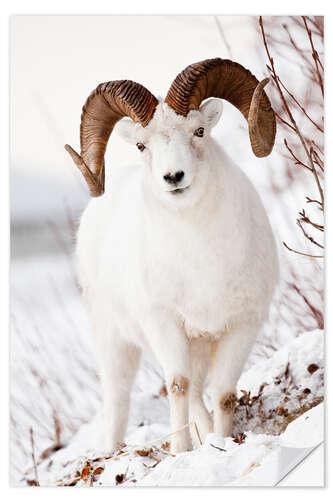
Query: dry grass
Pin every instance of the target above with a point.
(297, 96)
(304, 144)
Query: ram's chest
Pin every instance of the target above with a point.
(199, 277)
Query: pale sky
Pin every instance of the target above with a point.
(57, 60)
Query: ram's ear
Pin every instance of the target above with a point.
(211, 111)
(126, 129)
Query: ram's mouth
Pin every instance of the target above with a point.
(178, 190)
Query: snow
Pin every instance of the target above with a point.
(306, 431)
(146, 461)
(290, 388)
(211, 467)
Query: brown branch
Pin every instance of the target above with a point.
(318, 161)
(312, 240)
(300, 106)
(303, 253)
(315, 56)
(315, 145)
(289, 113)
(35, 482)
(309, 200)
(305, 218)
(297, 162)
(283, 121)
(317, 25)
(297, 49)
(316, 313)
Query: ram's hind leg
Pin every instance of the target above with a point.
(119, 362)
(200, 355)
(228, 359)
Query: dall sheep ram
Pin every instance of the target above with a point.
(178, 256)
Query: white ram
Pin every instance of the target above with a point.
(178, 256)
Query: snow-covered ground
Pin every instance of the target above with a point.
(278, 391)
(55, 389)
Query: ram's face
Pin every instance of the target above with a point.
(173, 149)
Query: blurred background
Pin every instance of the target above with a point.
(55, 62)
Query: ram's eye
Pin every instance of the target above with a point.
(199, 132)
(140, 146)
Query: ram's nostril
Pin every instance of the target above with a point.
(174, 178)
(179, 175)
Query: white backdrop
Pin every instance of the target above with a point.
(57, 60)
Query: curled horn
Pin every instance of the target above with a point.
(105, 106)
(230, 81)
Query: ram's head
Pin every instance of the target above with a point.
(171, 134)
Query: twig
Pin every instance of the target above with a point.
(284, 121)
(149, 443)
(175, 432)
(306, 219)
(315, 56)
(317, 160)
(217, 447)
(300, 106)
(307, 235)
(302, 52)
(289, 113)
(303, 253)
(36, 482)
(309, 200)
(317, 26)
(316, 146)
(298, 161)
(316, 313)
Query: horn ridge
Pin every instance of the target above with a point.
(226, 79)
(104, 107)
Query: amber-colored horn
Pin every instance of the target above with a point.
(230, 81)
(105, 106)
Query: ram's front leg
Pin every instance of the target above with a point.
(229, 355)
(118, 363)
(171, 348)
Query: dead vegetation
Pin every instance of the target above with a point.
(293, 47)
(87, 471)
(272, 409)
(304, 144)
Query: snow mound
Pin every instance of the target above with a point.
(282, 387)
(272, 394)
